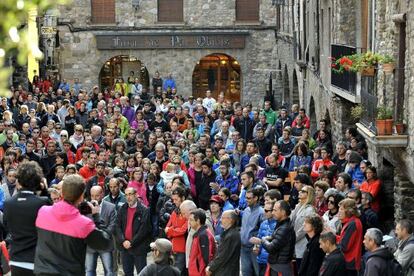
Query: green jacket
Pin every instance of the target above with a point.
(124, 127)
(271, 116)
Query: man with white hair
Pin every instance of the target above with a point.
(96, 133)
(185, 208)
(379, 260)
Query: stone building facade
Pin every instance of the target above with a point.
(322, 29)
(81, 55)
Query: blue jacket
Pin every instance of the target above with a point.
(356, 174)
(1, 199)
(251, 219)
(266, 229)
(245, 161)
(169, 83)
(231, 183)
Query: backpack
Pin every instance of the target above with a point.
(394, 268)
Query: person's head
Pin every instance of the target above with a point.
(54, 195)
(216, 203)
(366, 199)
(301, 180)
(281, 210)
(333, 202)
(340, 148)
(97, 193)
(347, 209)
(327, 242)
(161, 251)
(197, 218)
(186, 207)
(29, 175)
(268, 209)
(224, 194)
(404, 229)
(114, 186)
(206, 166)
(178, 196)
(355, 194)
(92, 159)
(253, 196)
(320, 188)
(343, 182)
(131, 196)
(272, 195)
(251, 148)
(60, 172)
(247, 179)
(306, 195)
(373, 239)
(313, 225)
(229, 219)
(73, 188)
(371, 173)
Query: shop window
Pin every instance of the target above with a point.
(103, 11)
(247, 10)
(170, 11)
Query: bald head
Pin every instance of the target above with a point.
(97, 193)
(186, 207)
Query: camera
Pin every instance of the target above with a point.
(84, 208)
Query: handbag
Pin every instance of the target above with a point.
(4, 258)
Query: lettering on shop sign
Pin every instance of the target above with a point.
(174, 41)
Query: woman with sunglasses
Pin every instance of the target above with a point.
(303, 209)
(330, 218)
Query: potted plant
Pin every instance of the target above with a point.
(388, 64)
(356, 112)
(384, 121)
(399, 127)
(365, 63)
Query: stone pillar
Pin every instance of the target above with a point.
(404, 197)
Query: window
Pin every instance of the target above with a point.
(170, 11)
(103, 11)
(247, 10)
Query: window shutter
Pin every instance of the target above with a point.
(247, 10)
(170, 11)
(103, 11)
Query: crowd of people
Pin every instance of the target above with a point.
(210, 186)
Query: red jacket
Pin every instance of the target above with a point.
(373, 187)
(178, 226)
(202, 251)
(350, 242)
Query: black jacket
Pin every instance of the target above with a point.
(281, 248)
(333, 264)
(312, 258)
(20, 212)
(227, 260)
(141, 229)
(378, 262)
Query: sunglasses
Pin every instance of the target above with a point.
(267, 211)
(331, 201)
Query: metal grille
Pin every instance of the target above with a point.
(247, 10)
(103, 11)
(170, 11)
(347, 80)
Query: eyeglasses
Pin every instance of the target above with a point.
(331, 201)
(267, 211)
(303, 191)
(58, 127)
(177, 163)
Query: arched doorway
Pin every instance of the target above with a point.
(218, 73)
(312, 114)
(295, 89)
(123, 67)
(286, 91)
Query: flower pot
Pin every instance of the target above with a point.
(384, 127)
(388, 126)
(368, 71)
(388, 68)
(399, 128)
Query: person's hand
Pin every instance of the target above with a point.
(214, 186)
(208, 272)
(126, 244)
(255, 240)
(166, 229)
(95, 208)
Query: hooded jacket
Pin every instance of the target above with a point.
(378, 261)
(63, 234)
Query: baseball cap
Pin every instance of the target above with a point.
(162, 245)
(217, 199)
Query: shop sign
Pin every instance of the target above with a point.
(173, 41)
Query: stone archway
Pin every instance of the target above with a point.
(123, 67)
(295, 89)
(219, 73)
(312, 115)
(286, 89)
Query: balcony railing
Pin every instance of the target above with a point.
(369, 102)
(347, 81)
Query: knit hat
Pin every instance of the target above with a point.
(162, 245)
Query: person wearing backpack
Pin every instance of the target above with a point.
(380, 260)
(405, 251)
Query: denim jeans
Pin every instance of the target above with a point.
(154, 222)
(179, 262)
(249, 266)
(92, 259)
(130, 260)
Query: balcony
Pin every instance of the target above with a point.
(386, 141)
(345, 84)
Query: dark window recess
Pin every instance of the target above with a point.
(247, 10)
(346, 80)
(170, 11)
(103, 11)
